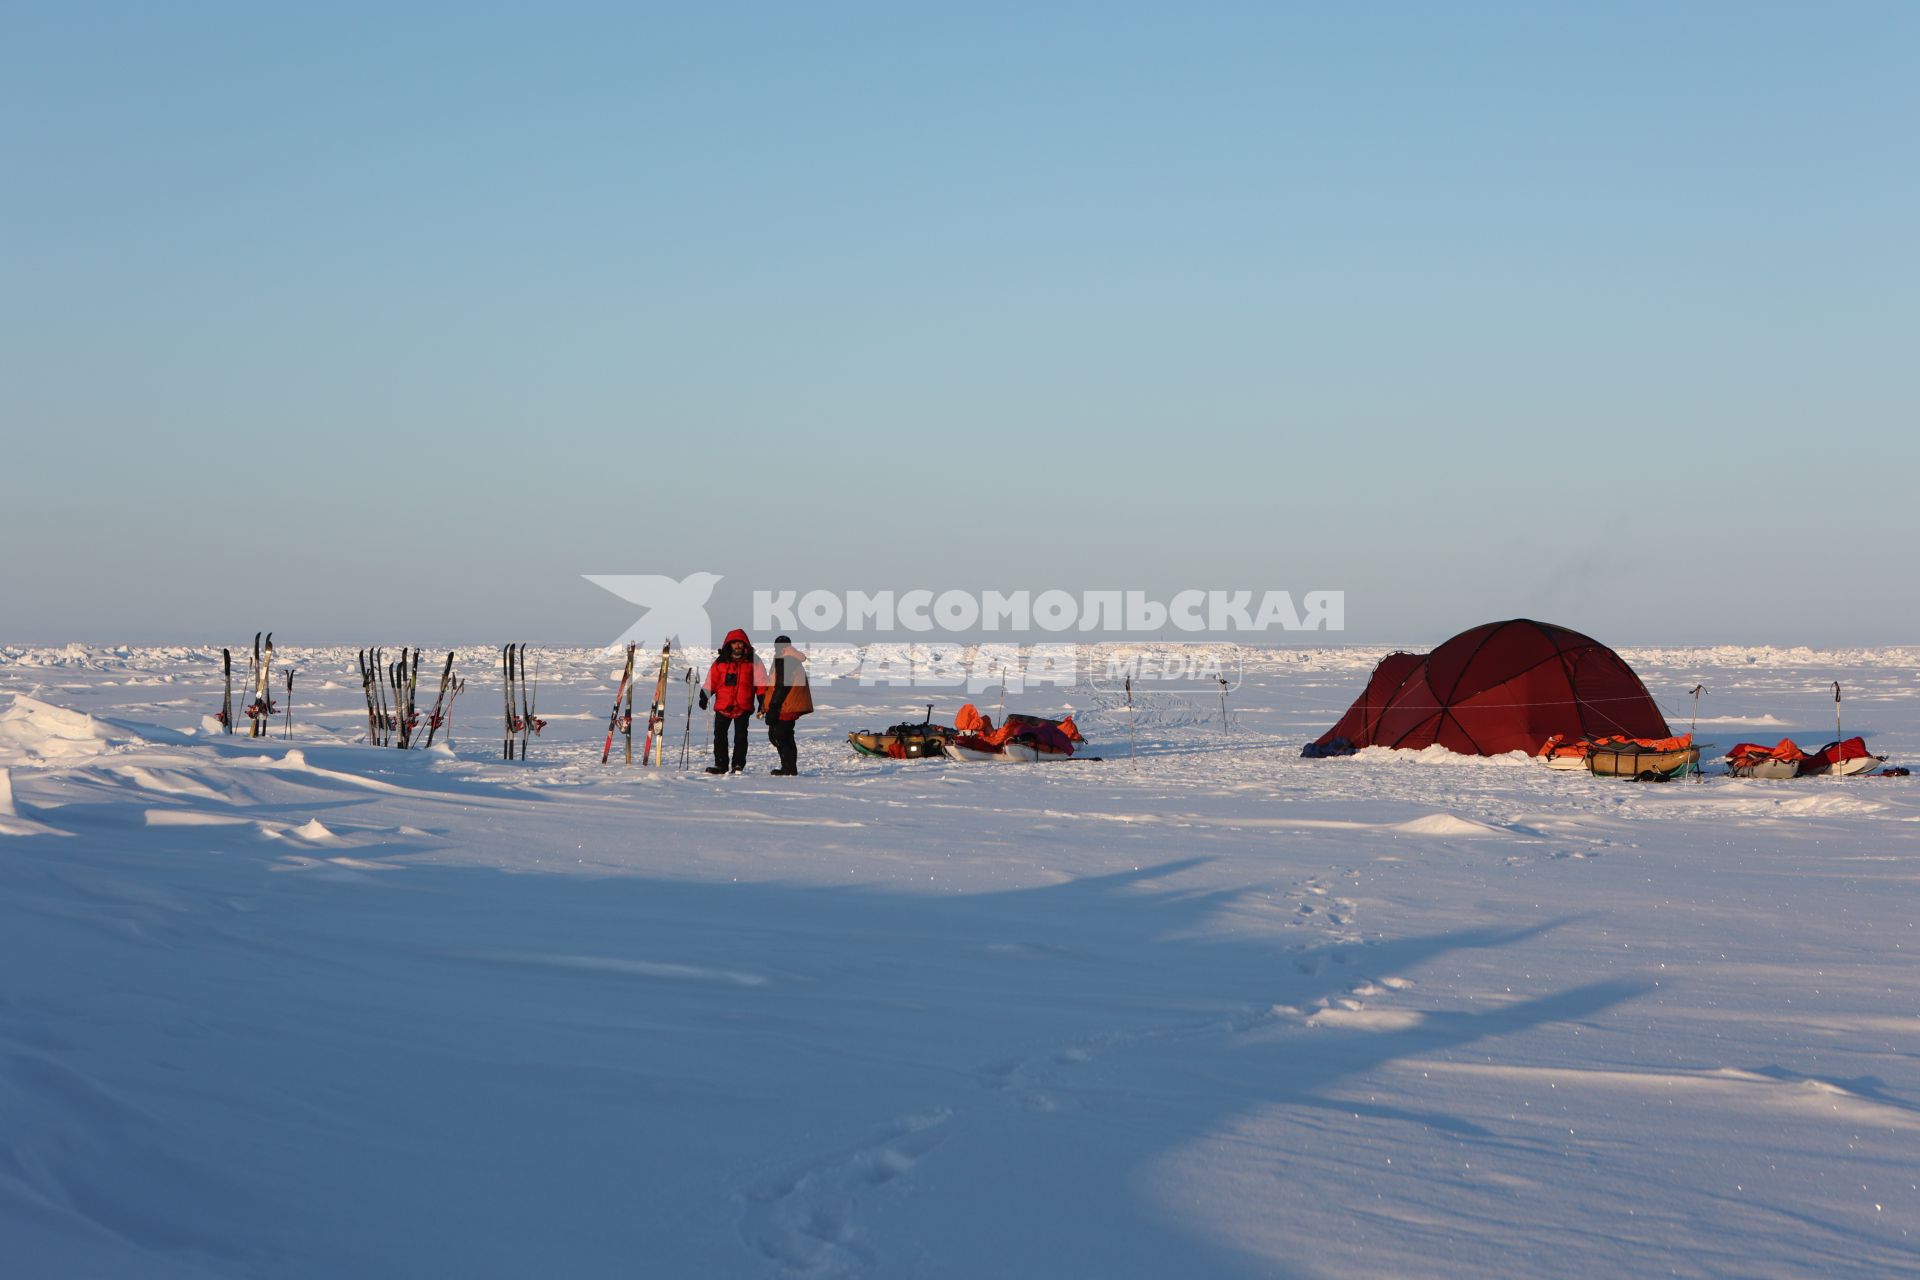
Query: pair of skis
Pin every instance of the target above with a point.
(376, 716)
(226, 704)
(653, 749)
(443, 701)
(522, 680)
(261, 710)
(404, 678)
(621, 722)
(380, 723)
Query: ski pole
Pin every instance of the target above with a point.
(459, 684)
(1132, 754)
(526, 704)
(1698, 773)
(288, 735)
(686, 735)
(1836, 711)
(434, 720)
(1223, 705)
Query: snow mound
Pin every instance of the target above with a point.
(12, 821)
(313, 831)
(35, 732)
(1437, 754)
(1828, 806)
(1446, 824)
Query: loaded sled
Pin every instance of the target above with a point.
(1785, 759)
(973, 739)
(907, 741)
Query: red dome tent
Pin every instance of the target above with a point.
(1504, 686)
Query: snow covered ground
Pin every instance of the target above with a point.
(309, 1008)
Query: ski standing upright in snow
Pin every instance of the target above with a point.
(526, 704)
(615, 722)
(404, 677)
(656, 746)
(253, 681)
(261, 710)
(380, 697)
(530, 724)
(366, 687)
(626, 717)
(413, 697)
(513, 726)
(434, 719)
(226, 703)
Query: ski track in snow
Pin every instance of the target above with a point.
(899, 1001)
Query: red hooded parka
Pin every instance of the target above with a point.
(733, 684)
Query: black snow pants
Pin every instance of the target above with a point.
(780, 733)
(738, 726)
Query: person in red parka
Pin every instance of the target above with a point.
(735, 683)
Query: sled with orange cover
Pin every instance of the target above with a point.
(1646, 759)
(1022, 739)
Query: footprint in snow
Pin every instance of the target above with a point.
(804, 1220)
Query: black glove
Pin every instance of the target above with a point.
(703, 699)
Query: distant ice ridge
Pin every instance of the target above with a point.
(1736, 655)
(172, 657)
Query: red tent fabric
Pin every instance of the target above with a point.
(1504, 686)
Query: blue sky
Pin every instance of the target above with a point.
(388, 322)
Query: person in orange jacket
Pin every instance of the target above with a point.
(787, 700)
(735, 684)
